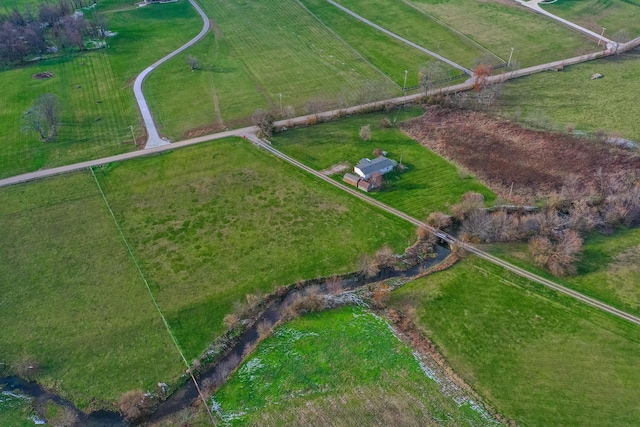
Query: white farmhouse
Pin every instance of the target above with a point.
(366, 167)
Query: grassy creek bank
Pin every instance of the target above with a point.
(216, 365)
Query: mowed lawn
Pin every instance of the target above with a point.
(614, 15)
(499, 26)
(258, 51)
(97, 106)
(571, 98)
(342, 367)
(429, 184)
(73, 299)
(214, 222)
(404, 20)
(608, 270)
(537, 357)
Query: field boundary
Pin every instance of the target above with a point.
(153, 298)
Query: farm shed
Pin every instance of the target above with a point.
(366, 167)
(351, 179)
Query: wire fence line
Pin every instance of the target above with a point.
(153, 298)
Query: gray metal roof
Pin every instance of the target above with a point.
(369, 166)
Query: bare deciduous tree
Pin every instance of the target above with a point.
(365, 132)
(44, 117)
(559, 253)
(429, 74)
(264, 121)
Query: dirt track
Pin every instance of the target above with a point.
(502, 153)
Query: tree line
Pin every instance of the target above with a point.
(54, 26)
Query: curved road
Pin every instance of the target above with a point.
(451, 239)
(154, 139)
(535, 6)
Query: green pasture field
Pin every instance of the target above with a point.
(614, 15)
(569, 97)
(94, 88)
(499, 27)
(609, 269)
(405, 21)
(342, 367)
(276, 47)
(72, 297)
(389, 55)
(430, 183)
(214, 222)
(537, 357)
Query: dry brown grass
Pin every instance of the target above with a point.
(502, 153)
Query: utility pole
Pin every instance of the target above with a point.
(404, 86)
(510, 55)
(281, 113)
(601, 34)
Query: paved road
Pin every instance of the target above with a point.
(154, 139)
(535, 6)
(403, 40)
(449, 238)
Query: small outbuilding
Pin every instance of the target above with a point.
(365, 185)
(351, 179)
(365, 167)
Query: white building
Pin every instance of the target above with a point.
(366, 167)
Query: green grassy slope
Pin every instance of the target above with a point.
(342, 367)
(539, 358)
(214, 222)
(429, 184)
(71, 296)
(614, 15)
(499, 27)
(570, 97)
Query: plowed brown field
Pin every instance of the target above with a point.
(502, 153)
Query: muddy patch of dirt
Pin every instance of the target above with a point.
(203, 130)
(42, 76)
(337, 168)
(502, 153)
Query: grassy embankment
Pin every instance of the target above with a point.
(500, 27)
(72, 298)
(614, 15)
(95, 89)
(537, 357)
(558, 99)
(429, 184)
(609, 269)
(212, 223)
(249, 60)
(342, 367)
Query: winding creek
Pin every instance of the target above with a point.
(217, 372)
